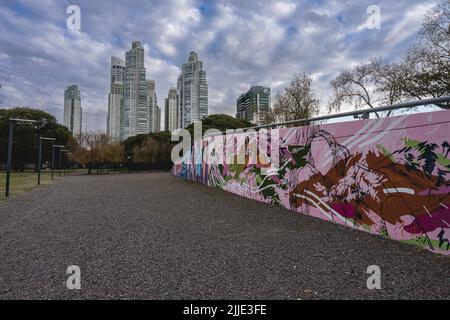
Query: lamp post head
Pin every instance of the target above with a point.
(22, 120)
(45, 138)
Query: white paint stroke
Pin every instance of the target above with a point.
(398, 190)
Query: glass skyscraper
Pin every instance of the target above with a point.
(136, 113)
(170, 122)
(73, 113)
(192, 91)
(252, 104)
(115, 99)
(155, 112)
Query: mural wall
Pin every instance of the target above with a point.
(386, 176)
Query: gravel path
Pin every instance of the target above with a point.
(154, 236)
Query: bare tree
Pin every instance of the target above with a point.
(422, 73)
(435, 30)
(297, 101)
(385, 78)
(427, 65)
(354, 87)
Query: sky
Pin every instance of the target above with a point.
(241, 43)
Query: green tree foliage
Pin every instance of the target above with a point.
(221, 122)
(153, 151)
(149, 151)
(26, 136)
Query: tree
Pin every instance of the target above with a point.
(422, 73)
(435, 30)
(221, 122)
(153, 151)
(353, 87)
(297, 101)
(137, 149)
(114, 154)
(26, 136)
(131, 142)
(427, 64)
(147, 153)
(384, 76)
(91, 150)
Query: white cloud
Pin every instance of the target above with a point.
(406, 25)
(242, 43)
(281, 9)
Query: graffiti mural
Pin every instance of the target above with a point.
(386, 176)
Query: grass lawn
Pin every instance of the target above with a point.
(23, 181)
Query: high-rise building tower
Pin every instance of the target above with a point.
(115, 99)
(192, 92)
(170, 121)
(73, 113)
(157, 119)
(179, 99)
(253, 104)
(155, 111)
(136, 112)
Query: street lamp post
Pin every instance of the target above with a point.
(64, 163)
(60, 159)
(10, 145)
(53, 156)
(40, 156)
(8, 163)
(66, 167)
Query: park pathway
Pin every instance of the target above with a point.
(155, 236)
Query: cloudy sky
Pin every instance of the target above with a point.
(242, 43)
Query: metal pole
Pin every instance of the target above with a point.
(40, 160)
(364, 112)
(60, 162)
(53, 156)
(53, 159)
(8, 165)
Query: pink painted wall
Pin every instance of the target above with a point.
(385, 176)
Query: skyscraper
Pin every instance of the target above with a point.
(136, 112)
(157, 119)
(155, 112)
(115, 99)
(170, 121)
(253, 104)
(192, 92)
(73, 113)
